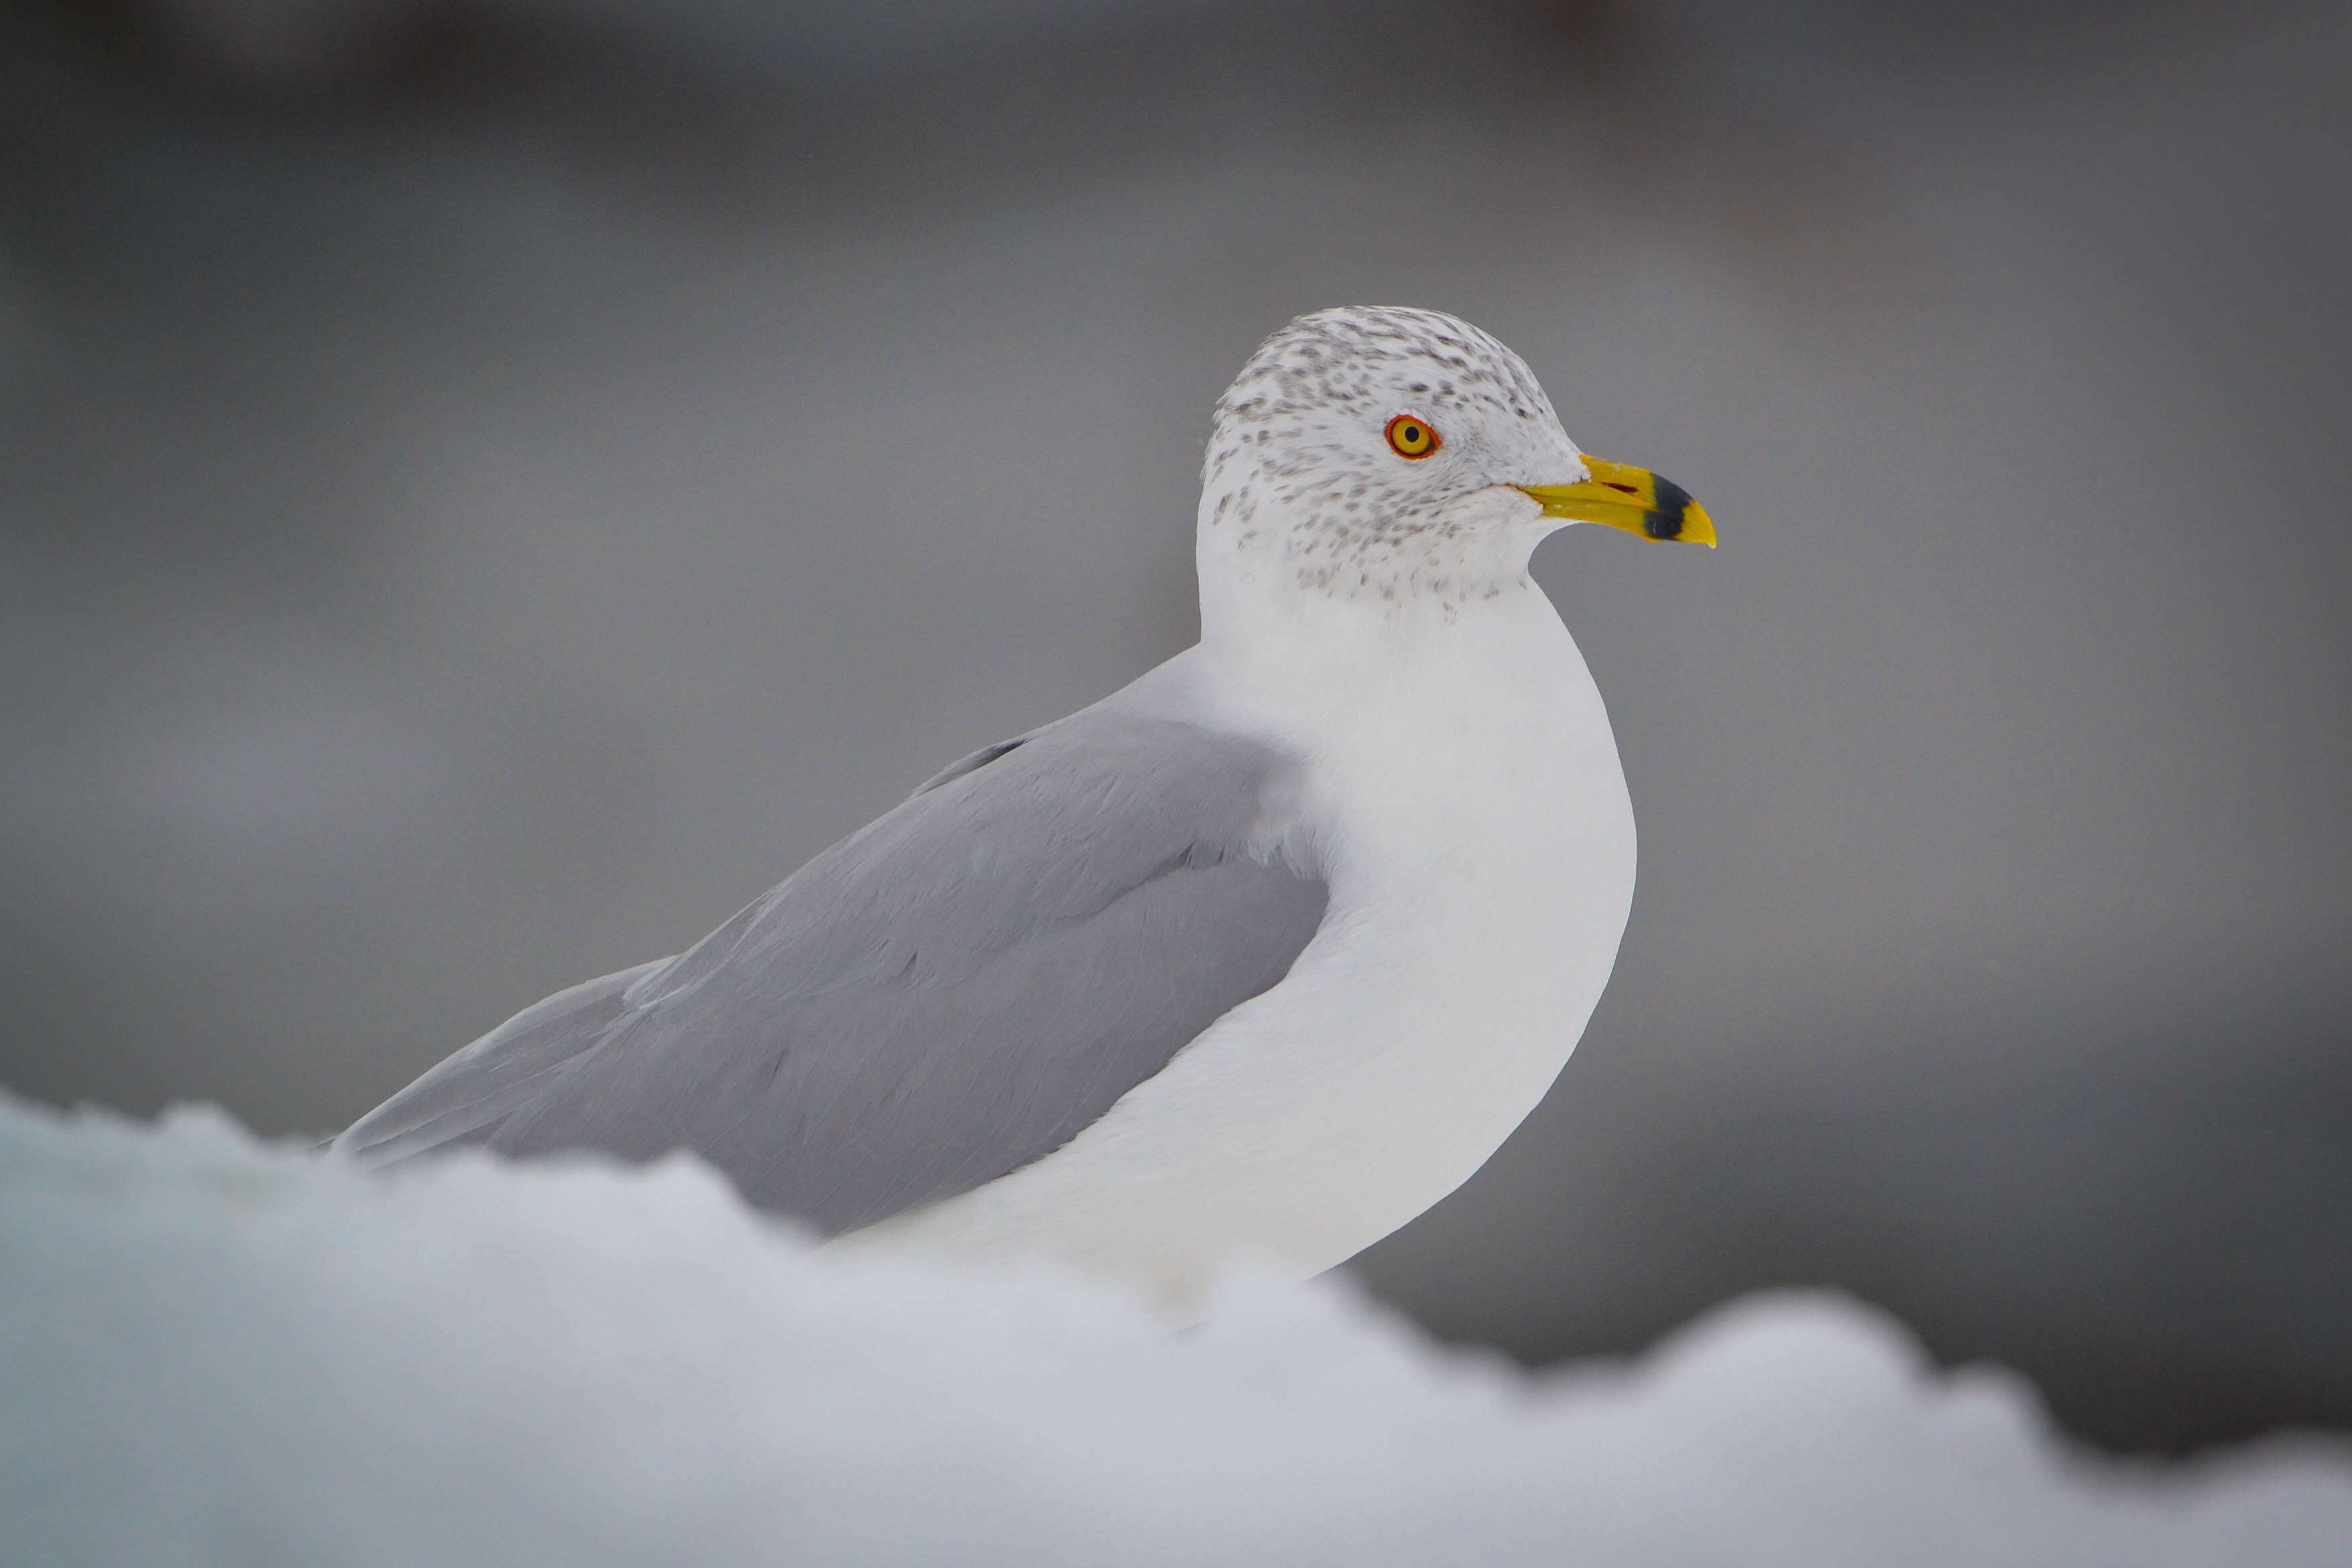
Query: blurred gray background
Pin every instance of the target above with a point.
(487, 487)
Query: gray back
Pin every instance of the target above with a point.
(945, 995)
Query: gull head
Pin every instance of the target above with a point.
(1380, 453)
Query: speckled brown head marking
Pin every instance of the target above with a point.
(1301, 468)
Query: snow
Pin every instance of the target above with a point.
(216, 1350)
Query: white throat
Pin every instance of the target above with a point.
(1299, 619)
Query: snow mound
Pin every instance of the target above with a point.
(213, 1351)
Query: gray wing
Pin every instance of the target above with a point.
(465, 1099)
(939, 999)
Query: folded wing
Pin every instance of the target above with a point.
(949, 994)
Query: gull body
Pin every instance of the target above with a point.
(1460, 789)
(1381, 856)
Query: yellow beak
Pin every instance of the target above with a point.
(1634, 500)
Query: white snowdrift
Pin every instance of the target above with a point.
(214, 1351)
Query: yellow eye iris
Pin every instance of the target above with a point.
(1410, 436)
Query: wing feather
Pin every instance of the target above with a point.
(949, 994)
(463, 1100)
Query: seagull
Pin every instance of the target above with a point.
(1257, 957)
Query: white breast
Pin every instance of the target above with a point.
(1464, 797)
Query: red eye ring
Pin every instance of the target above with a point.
(1413, 437)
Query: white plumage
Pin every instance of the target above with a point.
(1370, 837)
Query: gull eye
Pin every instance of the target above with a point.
(1411, 436)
